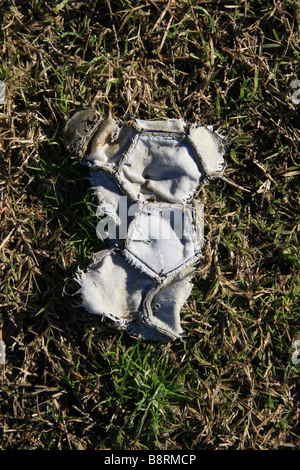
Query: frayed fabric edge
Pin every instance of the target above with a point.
(140, 323)
(121, 322)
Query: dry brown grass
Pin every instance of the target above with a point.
(68, 384)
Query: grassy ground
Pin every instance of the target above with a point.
(232, 384)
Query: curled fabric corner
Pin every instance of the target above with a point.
(162, 308)
(142, 283)
(136, 303)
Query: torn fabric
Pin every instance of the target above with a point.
(143, 281)
(135, 302)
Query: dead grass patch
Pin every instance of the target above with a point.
(67, 383)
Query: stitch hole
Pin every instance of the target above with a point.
(156, 307)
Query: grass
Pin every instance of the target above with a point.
(70, 384)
